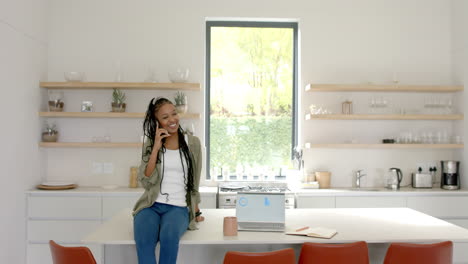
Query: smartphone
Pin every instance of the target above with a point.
(157, 125)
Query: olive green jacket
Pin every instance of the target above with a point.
(151, 184)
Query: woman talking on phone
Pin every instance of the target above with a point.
(170, 174)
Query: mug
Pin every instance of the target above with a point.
(323, 178)
(230, 226)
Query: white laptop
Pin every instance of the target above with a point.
(257, 211)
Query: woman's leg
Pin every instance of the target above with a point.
(174, 223)
(146, 231)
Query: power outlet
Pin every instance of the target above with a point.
(97, 168)
(108, 167)
(423, 166)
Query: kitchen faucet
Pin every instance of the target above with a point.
(359, 175)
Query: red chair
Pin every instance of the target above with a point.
(318, 253)
(406, 253)
(283, 256)
(70, 255)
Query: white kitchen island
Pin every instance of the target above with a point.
(376, 226)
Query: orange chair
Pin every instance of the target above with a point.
(405, 253)
(70, 255)
(283, 256)
(318, 253)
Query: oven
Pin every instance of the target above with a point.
(227, 193)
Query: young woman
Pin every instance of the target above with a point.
(170, 173)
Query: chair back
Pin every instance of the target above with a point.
(405, 253)
(318, 253)
(70, 255)
(283, 256)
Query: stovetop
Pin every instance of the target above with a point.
(253, 187)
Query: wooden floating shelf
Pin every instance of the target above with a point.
(382, 88)
(121, 85)
(385, 146)
(108, 115)
(90, 145)
(383, 117)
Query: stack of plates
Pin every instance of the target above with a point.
(57, 185)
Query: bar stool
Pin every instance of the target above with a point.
(283, 256)
(318, 253)
(70, 255)
(406, 253)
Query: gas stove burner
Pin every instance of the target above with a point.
(253, 188)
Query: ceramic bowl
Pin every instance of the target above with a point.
(74, 76)
(179, 75)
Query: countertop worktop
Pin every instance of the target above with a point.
(364, 191)
(206, 190)
(99, 191)
(373, 225)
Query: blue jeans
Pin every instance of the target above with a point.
(160, 222)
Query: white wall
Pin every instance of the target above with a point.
(341, 42)
(460, 70)
(23, 47)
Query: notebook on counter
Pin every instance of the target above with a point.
(320, 232)
(260, 211)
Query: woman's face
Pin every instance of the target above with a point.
(168, 118)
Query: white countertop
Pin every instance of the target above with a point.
(406, 191)
(206, 190)
(99, 191)
(373, 225)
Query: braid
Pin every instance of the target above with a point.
(183, 149)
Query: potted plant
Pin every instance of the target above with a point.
(50, 134)
(180, 102)
(118, 101)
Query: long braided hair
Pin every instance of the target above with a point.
(149, 130)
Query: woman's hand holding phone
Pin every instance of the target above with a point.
(161, 133)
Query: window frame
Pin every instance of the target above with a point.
(257, 24)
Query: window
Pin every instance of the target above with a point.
(251, 110)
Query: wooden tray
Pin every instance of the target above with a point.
(63, 187)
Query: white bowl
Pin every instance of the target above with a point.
(179, 75)
(74, 76)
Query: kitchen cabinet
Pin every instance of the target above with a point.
(63, 218)
(370, 202)
(315, 202)
(67, 216)
(441, 207)
(383, 88)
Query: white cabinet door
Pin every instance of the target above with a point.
(208, 201)
(439, 206)
(40, 253)
(64, 207)
(315, 202)
(60, 231)
(114, 204)
(370, 202)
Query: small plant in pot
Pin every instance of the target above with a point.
(181, 102)
(50, 134)
(118, 99)
(55, 101)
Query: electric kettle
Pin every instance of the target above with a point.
(393, 179)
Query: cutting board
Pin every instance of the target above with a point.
(61, 187)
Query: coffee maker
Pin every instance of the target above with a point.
(450, 175)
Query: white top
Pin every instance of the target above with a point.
(173, 186)
(373, 225)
